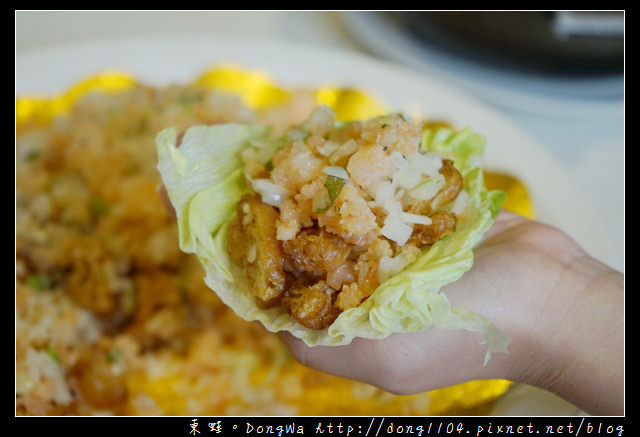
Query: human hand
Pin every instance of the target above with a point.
(562, 309)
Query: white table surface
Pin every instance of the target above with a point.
(591, 150)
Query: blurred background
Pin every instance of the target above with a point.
(556, 76)
(559, 76)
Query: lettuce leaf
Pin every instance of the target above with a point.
(204, 181)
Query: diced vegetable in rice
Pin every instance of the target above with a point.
(384, 190)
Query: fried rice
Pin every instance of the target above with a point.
(112, 318)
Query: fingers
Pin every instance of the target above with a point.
(505, 220)
(163, 191)
(325, 359)
(402, 363)
(165, 200)
(357, 360)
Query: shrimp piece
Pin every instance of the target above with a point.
(370, 166)
(349, 217)
(289, 223)
(294, 166)
(367, 275)
(297, 212)
(353, 294)
(344, 274)
(352, 130)
(393, 132)
(350, 297)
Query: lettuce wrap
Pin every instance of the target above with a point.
(204, 180)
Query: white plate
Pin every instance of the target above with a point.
(162, 60)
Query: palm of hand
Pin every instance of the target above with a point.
(504, 285)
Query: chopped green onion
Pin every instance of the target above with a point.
(340, 124)
(321, 201)
(129, 301)
(31, 155)
(188, 100)
(113, 355)
(99, 205)
(142, 125)
(269, 165)
(53, 354)
(296, 134)
(39, 282)
(333, 185)
(384, 121)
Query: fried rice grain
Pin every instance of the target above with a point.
(111, 318)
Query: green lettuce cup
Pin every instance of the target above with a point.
(204, 179)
